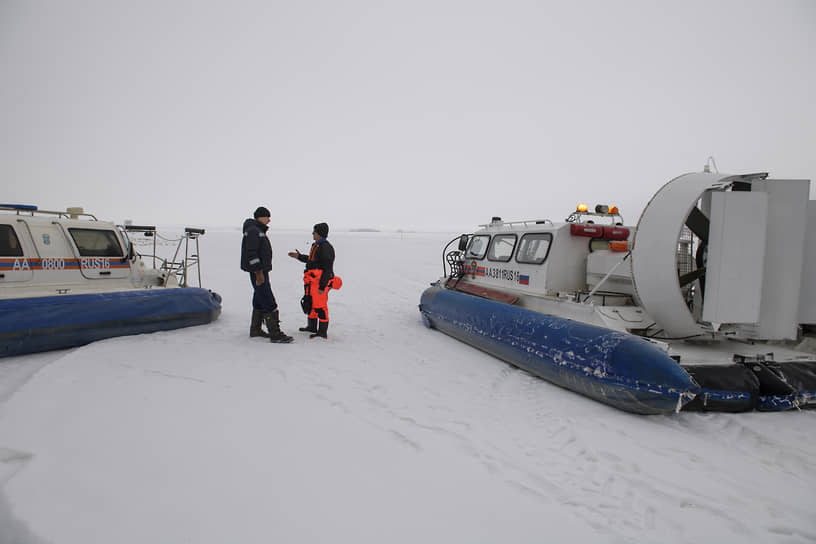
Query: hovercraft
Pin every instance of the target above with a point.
(67, 279)
(707, 303)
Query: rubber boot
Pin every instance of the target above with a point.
(273, 324)
(255, 327)
(322, 329)
(311, 327)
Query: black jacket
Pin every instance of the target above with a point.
(320, 257)
(256, 251)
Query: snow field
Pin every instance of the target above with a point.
(387, 431)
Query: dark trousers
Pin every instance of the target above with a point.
(262, 298)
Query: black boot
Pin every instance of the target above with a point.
(321, 330)
(273, 324)
(255, 327)
(311, 327)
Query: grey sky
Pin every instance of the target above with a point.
(414, 115)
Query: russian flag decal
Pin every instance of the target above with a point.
(524, 280)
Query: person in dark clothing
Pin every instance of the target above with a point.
(318, 279)
(256, 258)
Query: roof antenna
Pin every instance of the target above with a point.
(709, 163)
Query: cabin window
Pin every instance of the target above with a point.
(478, 247)
(501, 249)
(9, 243)
(598, 244)
(533, 248)
(96, 243)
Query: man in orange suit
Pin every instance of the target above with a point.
(318, 278)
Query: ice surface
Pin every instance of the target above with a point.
(386, 432)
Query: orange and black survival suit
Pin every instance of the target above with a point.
(318, 279)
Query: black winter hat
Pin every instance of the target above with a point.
(322, 229)
(262, 212)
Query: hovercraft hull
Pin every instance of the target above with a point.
(29, 325)
(615, 368)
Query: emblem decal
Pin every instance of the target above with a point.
(473, 270)
(46, 239)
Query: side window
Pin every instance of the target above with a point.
(596, 244)
(96, 243)
(477, 247)
(533, 248)
(501, 249)
(9, 243)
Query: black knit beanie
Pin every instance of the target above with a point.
(262, 212)
(322, 229)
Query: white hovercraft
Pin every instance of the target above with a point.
(707, 304)
(67, 279)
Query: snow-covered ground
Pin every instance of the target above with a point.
(386, 432)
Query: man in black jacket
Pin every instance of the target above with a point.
(317, 279)
(256, 258)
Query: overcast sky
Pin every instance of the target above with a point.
(418, 114)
